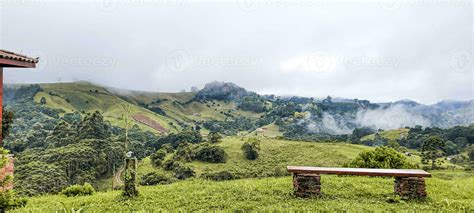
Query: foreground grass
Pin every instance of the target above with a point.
(448, 191)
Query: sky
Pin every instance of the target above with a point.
(376, 50)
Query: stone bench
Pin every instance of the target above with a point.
(409, 183)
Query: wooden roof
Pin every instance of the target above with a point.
(359, 171)
(11, 59)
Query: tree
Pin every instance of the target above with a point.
(470, 153)
(7, 120)
(214, 137)
(37, 178)
(251, 148)
(93, 126)
(211, 154)
(432, 149)
(127, 123)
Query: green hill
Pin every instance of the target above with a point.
(275, 155)
(391, 135)
(156, 112)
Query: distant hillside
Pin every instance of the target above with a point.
(230, 109)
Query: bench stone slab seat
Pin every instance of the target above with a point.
(409, 183)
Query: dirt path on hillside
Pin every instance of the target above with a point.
(143, 119)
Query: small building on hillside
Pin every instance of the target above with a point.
(10, 60)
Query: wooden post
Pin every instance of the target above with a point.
(130, 177)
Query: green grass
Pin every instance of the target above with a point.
(275, 155)
(391, 135)
(447, 192)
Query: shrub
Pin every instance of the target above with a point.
(214, 137)
(154, 178)
(211, 154)
(381, 157)
(219, 176)
(8, 201)
(170, 164)
(471, 153)
(157, 157)
(251, 148)
(183, 153)
(182, 172)
(78, 190)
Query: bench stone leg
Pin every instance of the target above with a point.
(307, 185)
(410, 187)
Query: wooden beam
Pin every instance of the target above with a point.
(14, 63)
(359, 171)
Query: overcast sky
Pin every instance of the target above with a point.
(402, 49)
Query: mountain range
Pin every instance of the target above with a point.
(231, 109)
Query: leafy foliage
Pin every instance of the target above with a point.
(214, 137)
(210, 153)
(219, 176)
(78, 190)
(381, 157)
(37, 178)
(251, 148)
(183, 172)
(154, 178)
(432, 149)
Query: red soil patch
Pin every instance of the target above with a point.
(149, 122)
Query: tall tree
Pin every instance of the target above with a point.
(432, 149)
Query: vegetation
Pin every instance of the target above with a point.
(448, 192)
(154, 178)
(78, 190)
(210, 153)
(251, 148)
(381, 157)
(432, 150)
(72, 134)
(214, 137)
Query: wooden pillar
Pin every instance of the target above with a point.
(1, 106)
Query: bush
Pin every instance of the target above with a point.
(170, 164)
(8, 201)
(182, 172)
(214, 137)
(184, 153)
(470, 153)
(78, 190)
(381, 157)
(251, 148)
(157, 157)
(154, 178)
(211, 154)
(219, 176)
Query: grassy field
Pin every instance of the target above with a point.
(391, 135)
(448, 192)
(275, 155)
